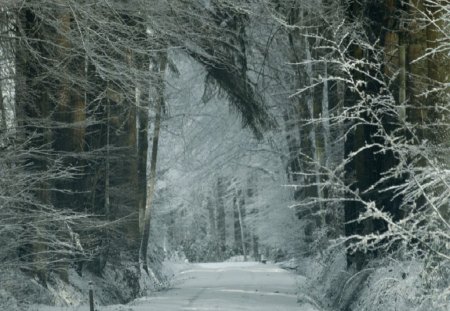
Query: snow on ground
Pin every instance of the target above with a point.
(402, 286)
(388, 285)
(322, 281)
(220, 286)
(118, 284)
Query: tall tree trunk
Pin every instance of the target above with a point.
(358, 169)
(366, 168)
(212, 219)
(106, 242)
(142, 154)
(133, 179)
(416, 40)
(236, 227)
(152, 178)
(306, 130)
(255, 246)
(4, 21)
(3, 124)
(241, 226)
(142, 101)
(315, 102)
(70, 114)
(220, 214)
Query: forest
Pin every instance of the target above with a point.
(314, 133)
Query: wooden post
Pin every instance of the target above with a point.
(91, 296)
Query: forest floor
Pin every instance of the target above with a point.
(220, 286)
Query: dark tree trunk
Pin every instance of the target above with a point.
(368, 166)
(220, 214)
(3, 124)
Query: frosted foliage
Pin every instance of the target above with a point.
(203, 141)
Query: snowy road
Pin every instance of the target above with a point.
(226, 286)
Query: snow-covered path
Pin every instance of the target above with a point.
(226, 286)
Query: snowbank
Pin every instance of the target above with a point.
(389, 285)
(399, 286)
(119, 283)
